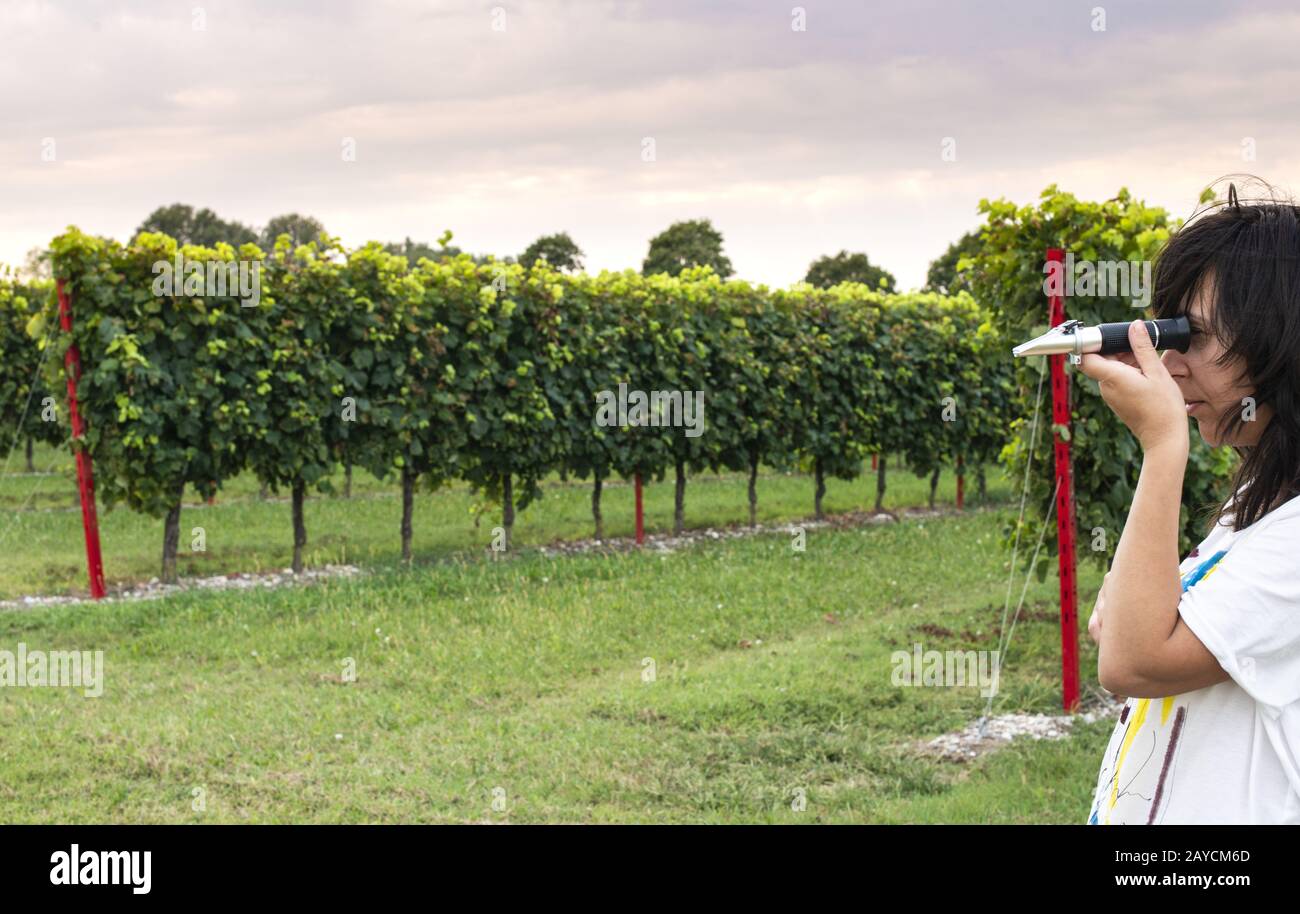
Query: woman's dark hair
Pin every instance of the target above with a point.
(1248, 254)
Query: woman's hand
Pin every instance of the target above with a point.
(1094, 621)
(1139, 389)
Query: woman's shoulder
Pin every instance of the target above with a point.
(1278, 529)
(1285, 507)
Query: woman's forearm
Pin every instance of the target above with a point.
(1142, 594)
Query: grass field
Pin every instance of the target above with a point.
(45, 554)
(524, 681)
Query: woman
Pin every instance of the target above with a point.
(1207, 651)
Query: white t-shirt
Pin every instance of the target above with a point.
(1228, 753)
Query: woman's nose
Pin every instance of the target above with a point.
(1175, 362)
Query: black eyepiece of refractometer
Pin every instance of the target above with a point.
(1167, 333)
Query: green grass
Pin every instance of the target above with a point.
(44, 548)
(772, 674)
(772, 670)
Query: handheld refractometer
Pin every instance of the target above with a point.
(1074, 339)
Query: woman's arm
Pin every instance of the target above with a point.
(1145, 649)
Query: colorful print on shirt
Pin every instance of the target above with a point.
(1143, 724)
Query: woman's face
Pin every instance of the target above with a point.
(1213, 392)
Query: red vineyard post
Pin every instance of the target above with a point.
(640, 514)
(1064, 509)
(961, 483)
(85, 472)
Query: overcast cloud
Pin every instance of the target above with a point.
(795, 144)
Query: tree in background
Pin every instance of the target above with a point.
(688, 325)
(1007, 273)
(494, 374)
(559, 250)
(36, 266)
(838, 337)
(501, 331)
(305, 393)
(300, 229)
(687, 244)
(601, 327)
(26, 413)
(174, 368)
(415, 251)
(845, 267)
(393, 363)
(202, 227)
(755, 380)
(490, 260)
(942, 381)
(944, 277)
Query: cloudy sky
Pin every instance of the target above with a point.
(506, 120)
